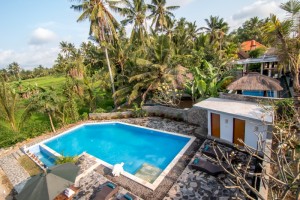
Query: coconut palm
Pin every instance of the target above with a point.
(102, 25)
(14, 69)
(46, 102)
(135, 13)
(216, 28)
(151, 72)
(161, 14)
(293, 8)
(251, 30)
(279, 33)
(8, 104)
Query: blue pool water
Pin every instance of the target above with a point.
(258, 93)
(115, 143)
(47, 159)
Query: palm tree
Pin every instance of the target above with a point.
(288, 49)
(8, 104)
(216, 27)
(46, 102)
(14, 69)
(293, 8)
(252, 30)
(151, 72)
(135, 13)
(161, 14)
(102, 25)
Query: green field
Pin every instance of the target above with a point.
(38, 123)
(46, 82)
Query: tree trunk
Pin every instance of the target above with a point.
(296, 88)
(145, 94)
(51, 122)
(102, 38)
(296, 84)
(111, 76)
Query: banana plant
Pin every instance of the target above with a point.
(208, 81)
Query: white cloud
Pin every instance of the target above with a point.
(179, 2)
(41, 36)
(30, 57)
(260, 8)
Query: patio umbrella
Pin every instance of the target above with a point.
(255, 81)
(49, 184)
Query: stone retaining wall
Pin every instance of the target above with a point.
(113, 115)
(194, 116)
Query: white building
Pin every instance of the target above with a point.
(232, 120)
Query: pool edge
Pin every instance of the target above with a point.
(163, 174)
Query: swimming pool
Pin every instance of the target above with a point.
(116, 142)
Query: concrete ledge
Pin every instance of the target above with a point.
(239, 97)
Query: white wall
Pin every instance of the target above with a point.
(252, 128)
(226, 127)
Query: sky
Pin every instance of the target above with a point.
(31, 30)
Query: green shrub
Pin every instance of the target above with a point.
(138, 111)
(66, 159)
(85, 116)
(100, 110)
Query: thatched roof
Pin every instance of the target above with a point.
(182, 77)
(255, 81)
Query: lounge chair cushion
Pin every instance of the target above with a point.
(111, 185)
(206, 148)
(196, 161)
(126, 196)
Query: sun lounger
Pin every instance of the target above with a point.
(127, 196)
(107, 191)
(209, 151)
(207, 167)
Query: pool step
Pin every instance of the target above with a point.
(18, 154)
(148, 172)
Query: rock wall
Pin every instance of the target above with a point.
(164, 111)
(113, 115)
(195, 116)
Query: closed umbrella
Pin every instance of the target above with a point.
(49, 184)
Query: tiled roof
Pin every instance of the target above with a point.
(251, 45)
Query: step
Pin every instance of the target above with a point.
(20, 153)
(16, 155)
(148, 172)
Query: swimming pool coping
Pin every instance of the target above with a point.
(151, 186)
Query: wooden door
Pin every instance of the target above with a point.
(215, 125)
(238, 131)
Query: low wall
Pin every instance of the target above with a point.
(239, 97)
(164, 111)
(113, 115)
(195, 116)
